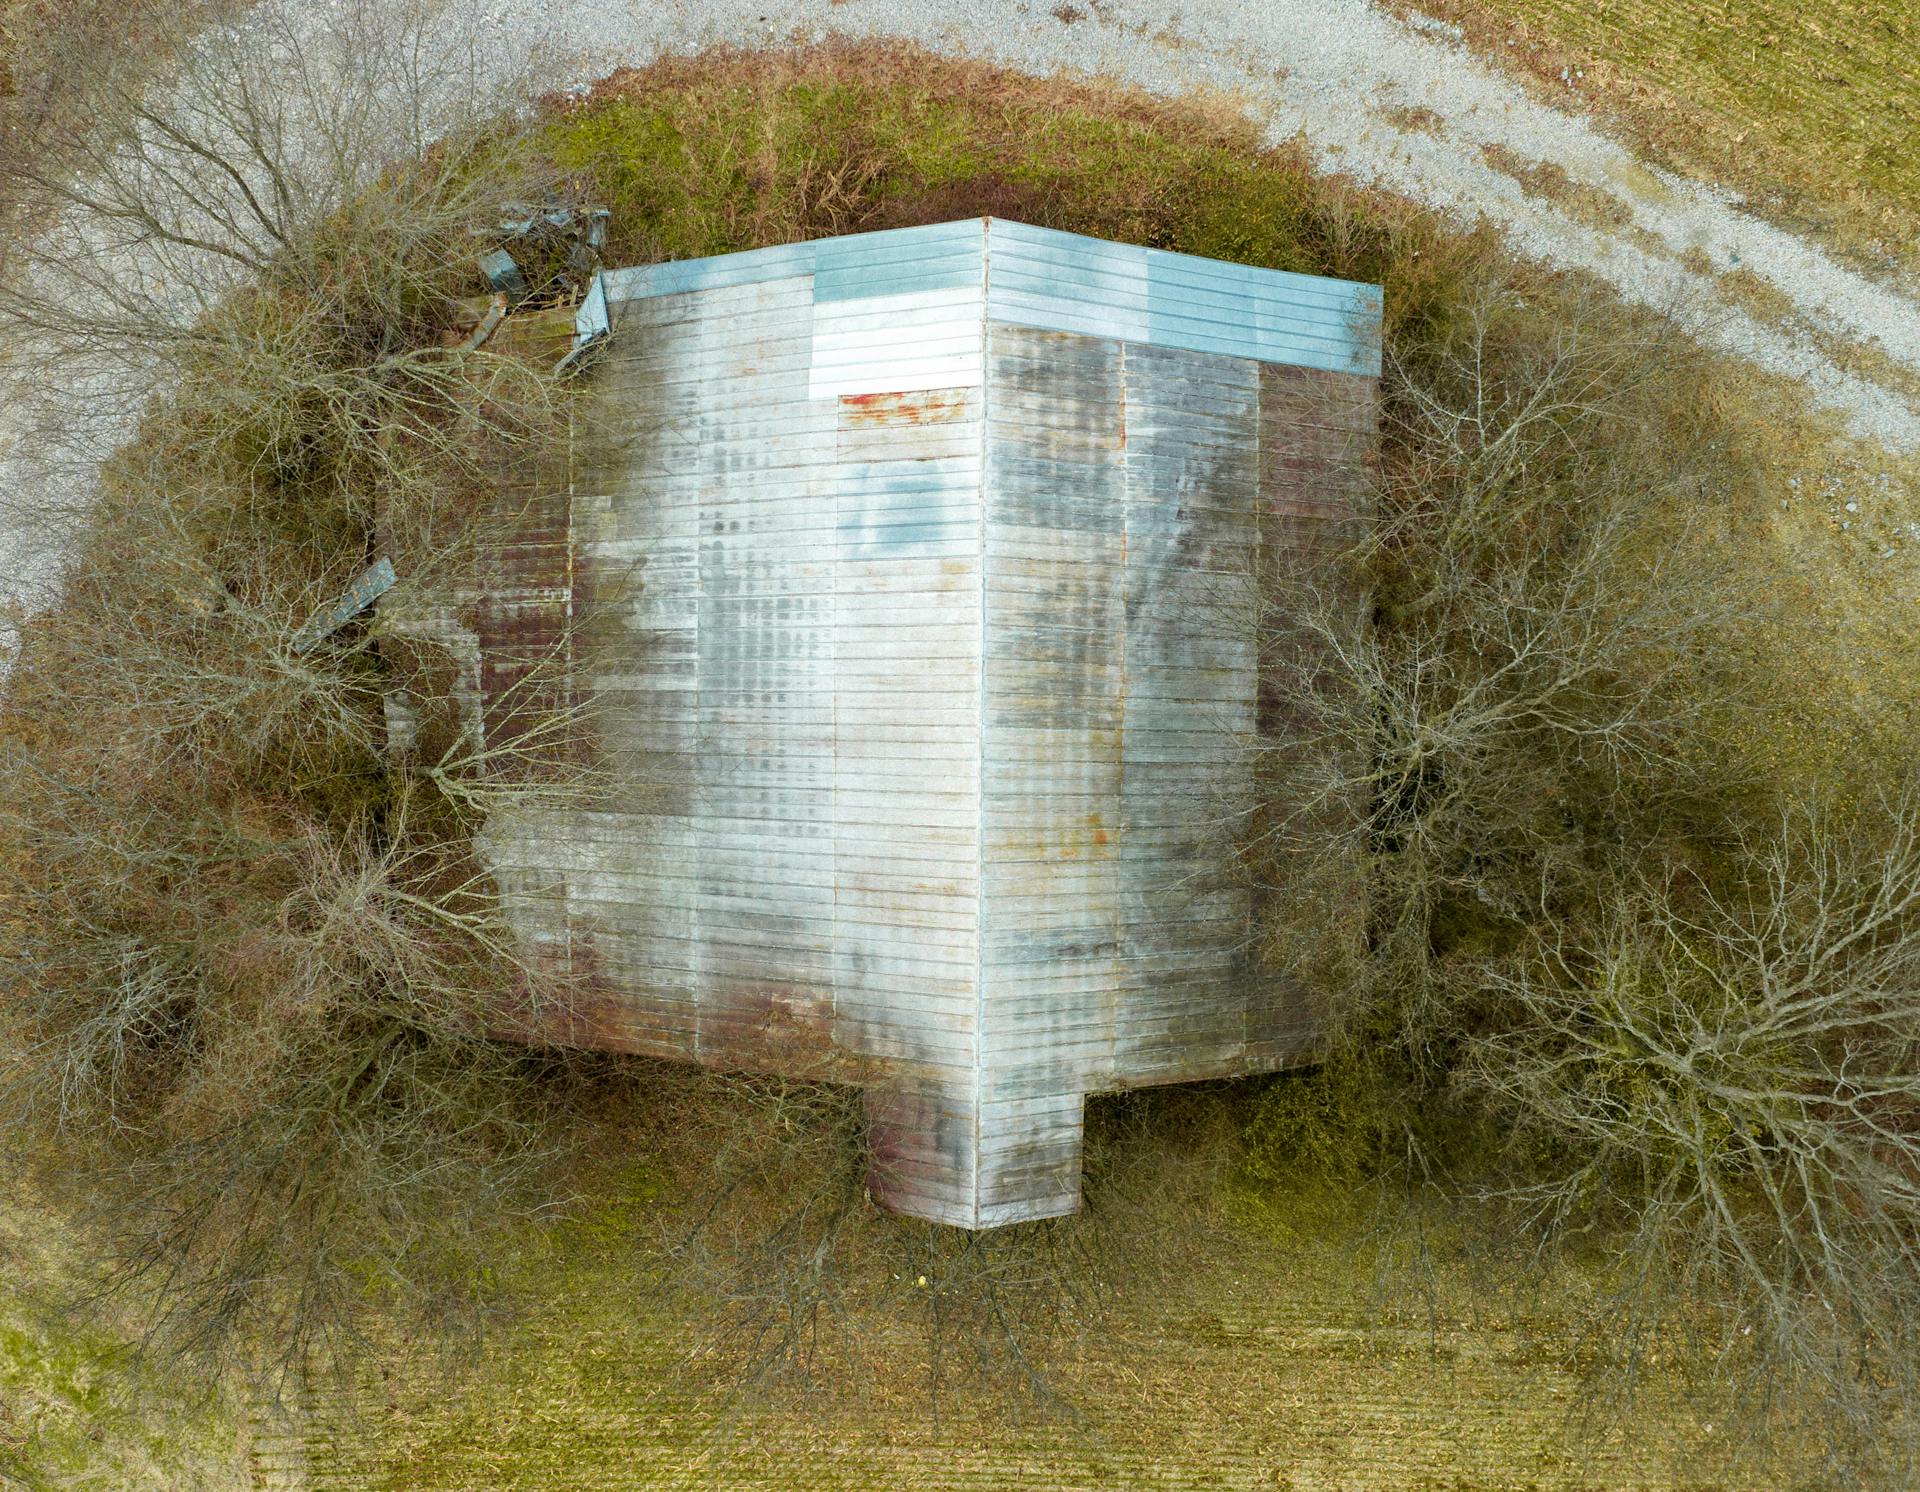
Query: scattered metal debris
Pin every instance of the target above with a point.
(503, 274)
(374, 582)
(558, 246)
(553, 233)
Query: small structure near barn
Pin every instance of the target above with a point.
(937, 685)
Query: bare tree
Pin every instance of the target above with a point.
(254, 975)
(1521, 664)
(1576, 956)
(276, 222)
(1729, 1078)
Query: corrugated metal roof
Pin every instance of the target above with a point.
(936, 692)
(1054, 281)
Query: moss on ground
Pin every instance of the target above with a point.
(1240, 1353)
(74, 1412)
(725, 153)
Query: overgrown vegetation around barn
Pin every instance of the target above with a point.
(1632, 974)
(254, 979)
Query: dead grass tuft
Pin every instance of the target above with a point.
(1582, 201)
(1421, 119)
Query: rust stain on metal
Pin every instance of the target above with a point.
(923, 407)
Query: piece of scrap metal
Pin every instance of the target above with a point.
(373, 583)
(591, 325)
(581, 230)
(583, 253)
(503, 273)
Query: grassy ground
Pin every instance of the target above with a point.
(72, 1412)
(1241, 1352)
(728, 151)
(1283, 1369)
(1808, 108)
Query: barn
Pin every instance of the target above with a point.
(929, 681)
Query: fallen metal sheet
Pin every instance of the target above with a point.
(591, 325)
(503, 274)
(374, 582)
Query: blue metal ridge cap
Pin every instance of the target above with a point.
(1154, 296)
(1166, 299)
(592, 324)
(849, 253)
(590, 319)
(676, 276)
(1350, 292)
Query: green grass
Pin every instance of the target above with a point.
(1809, 107)
(750, 151)
(73, 1411)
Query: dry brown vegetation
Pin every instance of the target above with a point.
(248, 942)
(1624, 984)
(1582, 202)
(253, 974)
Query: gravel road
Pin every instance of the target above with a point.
(1327, 68)
(1337, 71)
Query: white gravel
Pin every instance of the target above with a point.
(1316, 68)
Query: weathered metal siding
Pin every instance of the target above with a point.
(790, 696)
(1319, 435)
(1053, 710)
(1122, 523)
(1057, 281)
(931, 693)
(1192, 530)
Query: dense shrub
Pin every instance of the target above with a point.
(1612, 969)
(253, 977)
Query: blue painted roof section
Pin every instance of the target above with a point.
(901, 261)
(675, 276)
(1068, 282)
(1056, 281)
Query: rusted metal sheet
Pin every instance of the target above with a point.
(931, 694)
(371, 584)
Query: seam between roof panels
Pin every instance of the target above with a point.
(980, 763)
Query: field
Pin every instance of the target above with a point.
(1809, 110)
(1266, 1347)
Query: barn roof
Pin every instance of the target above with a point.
(895, 284)
(937, 688)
